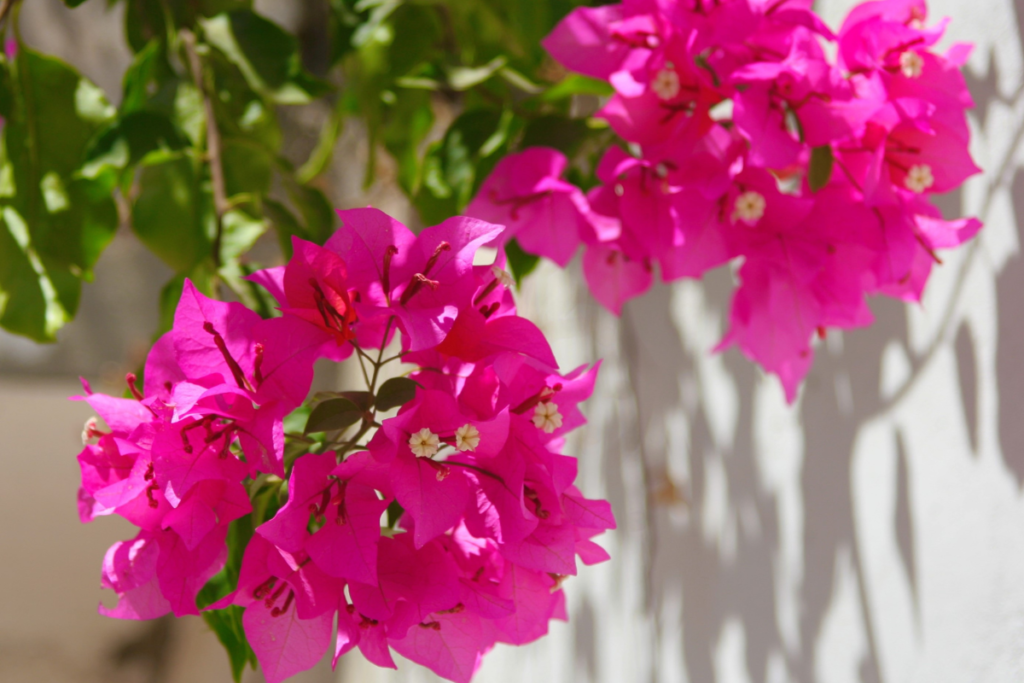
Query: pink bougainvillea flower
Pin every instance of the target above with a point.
(526, 194)
(346, 512)
(419, 280)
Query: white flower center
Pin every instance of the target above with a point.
(467, 438)
(919, 178)
(749, 207)
(666, 84)
(546, 417)
(89, 431)
(424, 443)
(911, 64)
(502, 276)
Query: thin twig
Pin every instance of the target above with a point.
(213, 146)
(5, 8)
(380, 354)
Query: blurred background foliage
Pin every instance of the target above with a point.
(191, 158)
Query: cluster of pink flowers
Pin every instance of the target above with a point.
(747, 140)
(488, 520)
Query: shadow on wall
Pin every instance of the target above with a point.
(729, 564)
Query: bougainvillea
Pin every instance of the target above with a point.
(436, 532)
(746, 140)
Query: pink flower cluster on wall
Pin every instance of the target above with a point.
(747, 140)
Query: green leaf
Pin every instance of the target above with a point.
(394, 511)
(248, 169)
(820, 170)
(266, 54)
(322, 154)
(171, 211)
(144, 21)
(363, 399)
(56, 223)
(564, 134)
(451, 167)
(395, 392)
(126, 141)
(577, 84)
(333, 414)
(227, 624)
(29, 304)
(464, 78)
(520, 262)
(317, 213)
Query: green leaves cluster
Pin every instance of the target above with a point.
(192, 160)
(476, 63)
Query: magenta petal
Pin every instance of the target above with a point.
(453, 648)
(183, 572)
(364, 236)
(534, 602)
(549, 549)
(196, 349)
(284, 644)
(614, 279)
(346, 547)
(436, 504)
(129, 568)
(272, 280)
(582, 41)
(373, 643)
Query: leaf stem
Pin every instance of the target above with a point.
(213, 142)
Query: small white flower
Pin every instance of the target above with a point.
(666, 84)
(89, 431)
(467, 438)
(919, 178)
(749, 207)
(502, 276)
(424, 443)
(546, 417)
(911, 64)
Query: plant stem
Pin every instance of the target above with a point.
(213, 143)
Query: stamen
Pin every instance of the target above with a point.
(389, 253)
(418, 280)
(264, 588)
(269, 602)
(488, 311)
(454, 610)
(278, 611)
(258, 365)
(432, 625)
(149, 494)
(236, 370)
(544, 395)
(532, 496)
(342, 517)
(131, 378)
(432, 261)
